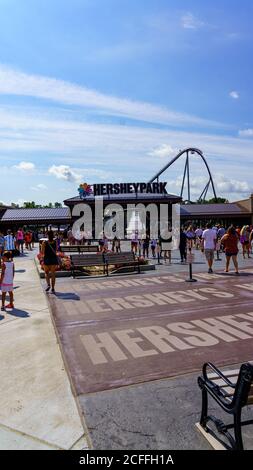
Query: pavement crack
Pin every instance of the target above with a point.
(140, 433)
(29, 436)
(83, 436)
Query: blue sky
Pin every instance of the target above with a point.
(110, 90)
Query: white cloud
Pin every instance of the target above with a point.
(13, 82)
(25, 166)
(224, 186)
(64, 172)
(246, 133)
(109, 152)
(107, 144)
(230, 186)
(39, 187)
(190, 21)
(163, 151)
(234, 94)
(94, 172)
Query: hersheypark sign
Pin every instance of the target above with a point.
(120, 188)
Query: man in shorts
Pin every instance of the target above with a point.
(209, 237)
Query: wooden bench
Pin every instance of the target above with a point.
(121, 261)
(232, 390)
(80, 262)
(79, 248)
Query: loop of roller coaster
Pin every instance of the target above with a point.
(189, 151)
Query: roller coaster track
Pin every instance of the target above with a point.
(186, 176)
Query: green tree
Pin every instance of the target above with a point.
(219, 200)
(31, 205)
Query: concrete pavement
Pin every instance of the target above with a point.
(37, 408)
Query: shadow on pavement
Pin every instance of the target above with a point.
(18, 313)
(67, 296)
(232, 274)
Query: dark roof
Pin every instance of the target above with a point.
(30, 215)
(212, 209)
(62, 214)
(128, 197)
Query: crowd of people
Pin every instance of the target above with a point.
(209, 240)
(12, 244)
(15, 242)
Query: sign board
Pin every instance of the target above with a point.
(190, 258)
(121, 188)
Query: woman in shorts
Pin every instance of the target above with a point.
(51, 262)
(245, 240)
(191, 236)
(230, 243)
(20, 237)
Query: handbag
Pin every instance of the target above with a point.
(59, 260)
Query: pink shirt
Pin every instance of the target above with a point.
(20, 235)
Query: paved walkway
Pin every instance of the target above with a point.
(147, 410)
(135, 345)
(37, 408)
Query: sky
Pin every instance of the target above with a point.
(103, 91)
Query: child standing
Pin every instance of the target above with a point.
(6, 280)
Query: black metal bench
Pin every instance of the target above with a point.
(79, 248)
(121, 261)
(80, 262)
(232, 390)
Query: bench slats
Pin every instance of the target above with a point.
(87, 260)
(79, 249)
(232, 375)
(227, 373)
(79, 261)
(88, 263)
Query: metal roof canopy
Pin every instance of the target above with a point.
(127, 198)
(226, 209)
(49, 215)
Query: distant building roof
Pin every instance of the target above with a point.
(62, 215)
(36, 215)
(128, 197)
(226, 209)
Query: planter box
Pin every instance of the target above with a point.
(41, 273)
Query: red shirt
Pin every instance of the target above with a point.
(230, 243)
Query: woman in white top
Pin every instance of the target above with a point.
(6, 280)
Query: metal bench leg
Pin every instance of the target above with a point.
(203, 418)
(238, 431)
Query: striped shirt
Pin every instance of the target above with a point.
(9, 242)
